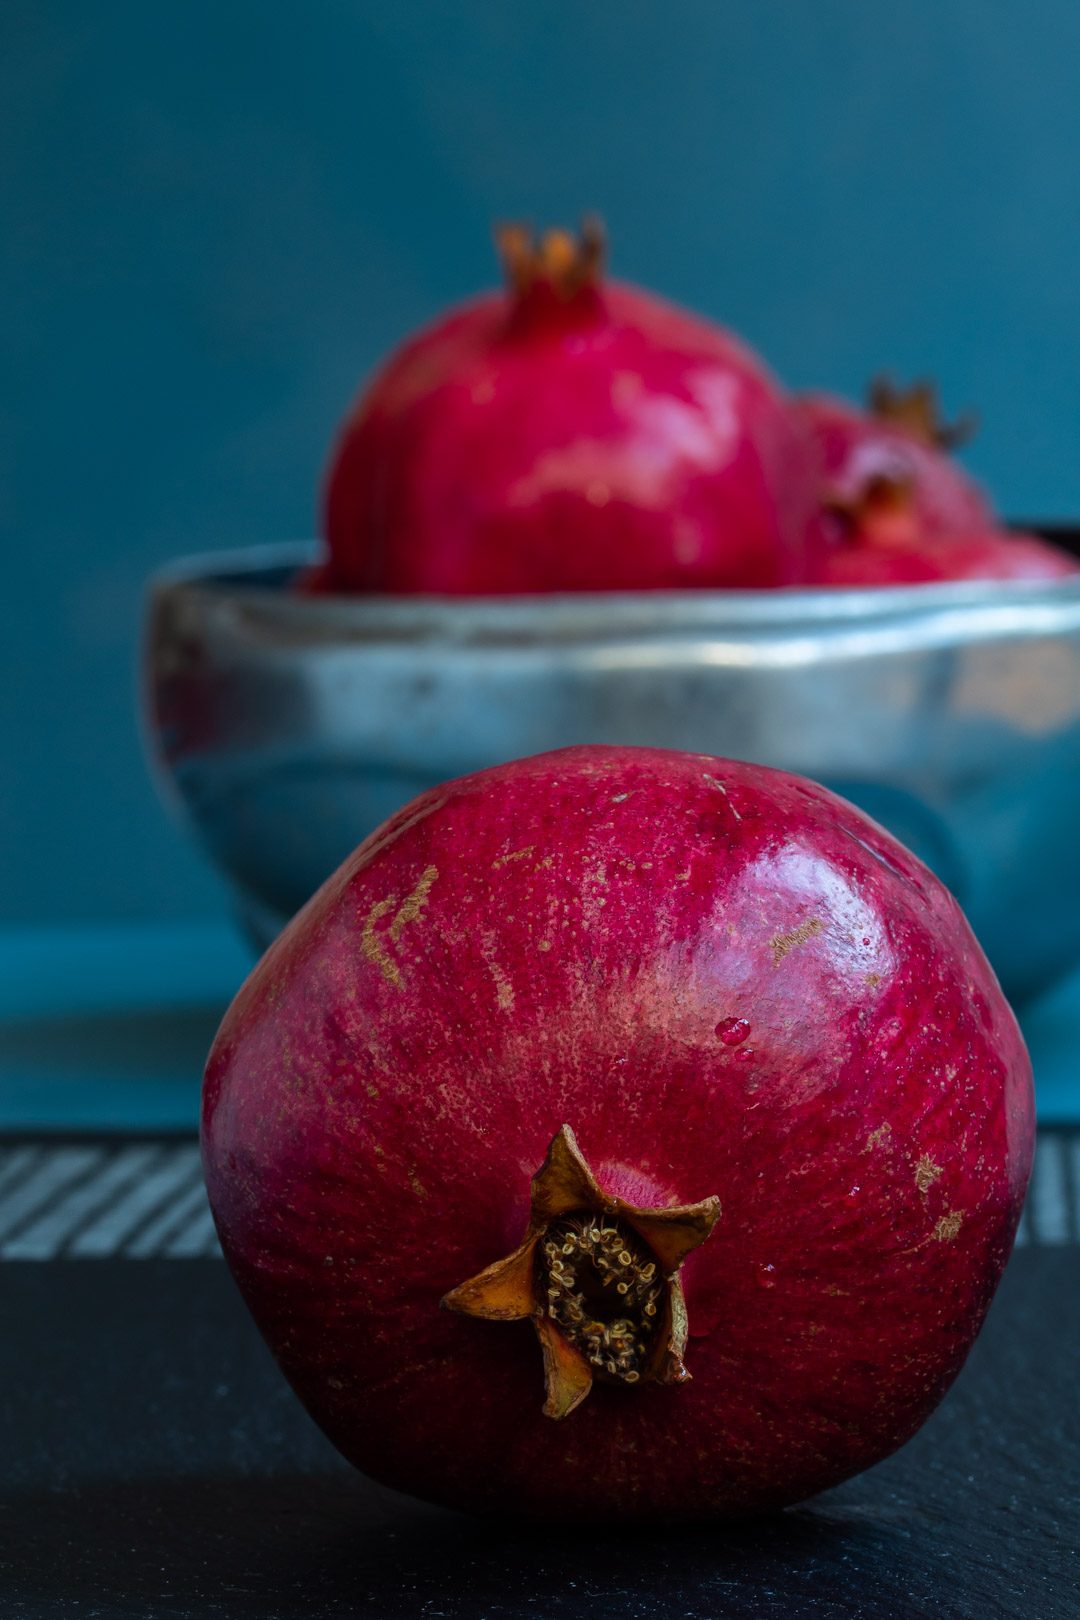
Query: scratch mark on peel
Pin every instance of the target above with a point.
(414, 903)
(948, 1226)
(926, 1173)
(781, 944)
(417, 1185)
(515, 855)
(716, 783)
(372, 946)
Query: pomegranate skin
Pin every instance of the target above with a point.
(727, 981)
(898, 555)
(856, 448)
(606, 441)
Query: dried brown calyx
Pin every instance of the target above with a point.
(884, 498)
(597, 1277)
(917, 411)
(557, 259)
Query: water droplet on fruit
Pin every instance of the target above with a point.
(745, 1056)
(732, 1031)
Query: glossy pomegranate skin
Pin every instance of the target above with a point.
(901, 556)
(609, 441)
(854, 448)
(727, 981)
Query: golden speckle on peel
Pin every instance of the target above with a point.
(414, 903)
(781, 944)
(515, 855)
(948, 1226)
(372, 946)
(876, 1138)
(504, 990)
(926, 1173)
(371, 941)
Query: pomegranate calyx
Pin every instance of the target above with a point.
(598, 1278)
(918, 412)
(557, 260)
(881, 501)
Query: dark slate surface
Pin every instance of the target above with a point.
(154, 1464)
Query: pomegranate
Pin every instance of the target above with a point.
(569, 434)
(883, 542)
(775, 1113)
(900, 441)
(990, 555)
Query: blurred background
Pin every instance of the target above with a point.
(216, 219)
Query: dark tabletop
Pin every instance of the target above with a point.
(154, 1464)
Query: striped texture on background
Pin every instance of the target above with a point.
(92, 1201)
(143, 1200)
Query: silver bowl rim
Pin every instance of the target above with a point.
(966, 609)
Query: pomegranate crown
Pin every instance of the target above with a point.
(918, 411)
(888, 493)
(558, 260)
(599, 1279)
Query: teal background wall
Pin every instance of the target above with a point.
(217, 216)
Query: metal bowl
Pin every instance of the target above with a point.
(286, 727)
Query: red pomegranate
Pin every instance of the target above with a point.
(899, 442)
(883, 542)
(569, 434)
(924, 560)
(620, 1133)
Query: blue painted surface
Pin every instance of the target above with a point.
(109, 1028)
(217, 217)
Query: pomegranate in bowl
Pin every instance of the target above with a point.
(570, 433)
